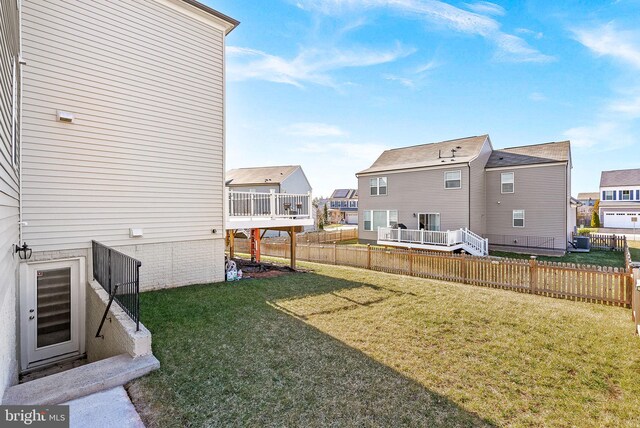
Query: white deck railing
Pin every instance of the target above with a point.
(447, 238)
(269, 205)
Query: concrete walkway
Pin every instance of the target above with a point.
(106, 409)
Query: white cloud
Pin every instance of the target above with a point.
(616, 123)
(537, 96)
(404, 81)
(608, 40)
(510, 47)
(602, 136)
(486, 7)
(309, 66)
(536, 34)
(313, 130)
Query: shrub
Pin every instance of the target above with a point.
(595, 218)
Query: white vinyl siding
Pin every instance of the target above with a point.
(453, 179)
(507, 182)
(9, 186)
(145, 83)
(518, 218)
(375, 219)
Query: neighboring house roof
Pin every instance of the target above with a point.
(530, 155)
(620, 177)
(233, 22)
(588, 195)
(575, 201)
(259, 175)
(344, 194)
(432, 154)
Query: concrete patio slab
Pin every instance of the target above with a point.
(106, 409)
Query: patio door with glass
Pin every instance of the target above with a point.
(52, 311)
(429, 221)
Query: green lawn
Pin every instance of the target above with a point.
(349, 347)
(595, 257)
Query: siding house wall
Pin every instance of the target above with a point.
(296, 183)
(478, 190)
(9, 196)
(412, 192)
(545, 209)
(145, 82)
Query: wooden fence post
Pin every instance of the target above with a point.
(533, 275)
(335, 253)
(463, 268)
(369, 256)
(410, 262)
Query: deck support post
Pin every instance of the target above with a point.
(292, 241)
(232, 243)
(255, 245)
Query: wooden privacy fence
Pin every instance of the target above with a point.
(328, 236)
(605, 242)
(597, 284)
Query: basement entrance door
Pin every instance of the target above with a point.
(52, 311)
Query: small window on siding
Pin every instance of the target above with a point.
(507, 182)
(367, 221)
(453, 179)
(518, 218)
(608, 195)
(626, 195)
(378, 186)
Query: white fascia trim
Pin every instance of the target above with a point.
(197, 14)
(419, 168)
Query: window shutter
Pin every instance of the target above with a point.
(620, 194)
(614, 194)
(637, 195)
(603, 195)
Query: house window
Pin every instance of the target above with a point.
(373, 220)
(353, 204)
(626, 195)
(452, 179)
(608, 195)
(367, 220)
(378, 186)
(506, 182)
(518, 218)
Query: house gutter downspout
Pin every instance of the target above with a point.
(21, 63)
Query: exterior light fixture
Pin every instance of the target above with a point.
(24, 252)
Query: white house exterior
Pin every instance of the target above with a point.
(122, 142)
(620, 199)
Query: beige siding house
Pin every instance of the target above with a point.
(123, 143)
(463, 194)
(620, 199)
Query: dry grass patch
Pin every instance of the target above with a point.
(350, 347)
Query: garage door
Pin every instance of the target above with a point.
(613, 219)
(352, 218)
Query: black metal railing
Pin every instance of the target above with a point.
(119, 275)
(547, 242)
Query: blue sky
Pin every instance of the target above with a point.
(329, 84)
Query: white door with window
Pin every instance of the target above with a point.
(52, 311)
(429, 221)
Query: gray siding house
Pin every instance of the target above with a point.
(515, 197)
(620, 199)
